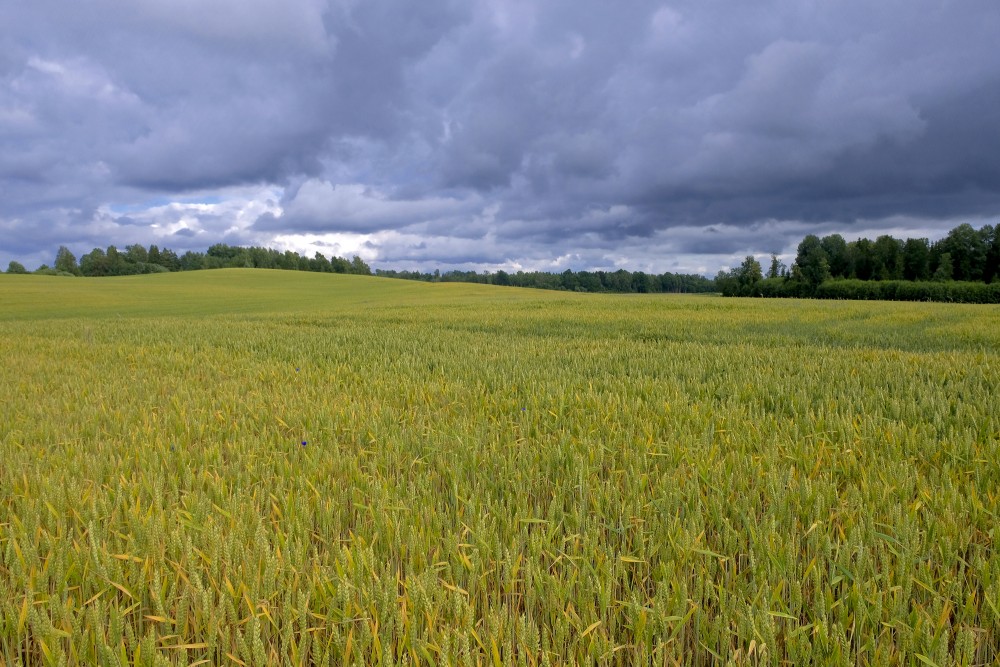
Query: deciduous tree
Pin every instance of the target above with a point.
(812, 260)
(66, 261)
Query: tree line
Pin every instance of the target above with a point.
(138, 259)
(963, 266)
(620, 281)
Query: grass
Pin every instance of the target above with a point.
(491, 476)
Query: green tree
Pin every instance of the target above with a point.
(838, 255)
(777, 268)
(862, 259)
(945, 270)
(726, 282)
(288, 261)
(618, 281)
(360, 267)
(591, 282)
(968, 252)
(991, 268)
(812, 261)
(66, 261)
(16, 267)
(888, 255)
(569, 280)
(320, 263)
(916, 259)
(153, 256)
(136, 254)
(226, 255)
(192, 261)
(170, 260)
(94, 263)
(748, 275)
(117, 266)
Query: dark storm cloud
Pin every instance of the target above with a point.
(318, 206)
(501, 132)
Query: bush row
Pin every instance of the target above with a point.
(876, 290)
(905, 290)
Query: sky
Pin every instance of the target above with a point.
(495, 134)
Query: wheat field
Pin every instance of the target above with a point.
(252, 467)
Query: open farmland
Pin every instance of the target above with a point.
(253, 467)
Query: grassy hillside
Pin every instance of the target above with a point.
(257, 467)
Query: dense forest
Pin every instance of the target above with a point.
(963, 266)
(137, 259)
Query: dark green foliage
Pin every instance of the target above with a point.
(192, 261)
(620, 281)
(750, 272)
(991, 268)
(359, 267)
(812, 261)
(961, 268)
(916, 259)
(838, 255)
(117, 264)
(16, 267)
(153, 255)
(945, 269)
(66, 262)
(852, 289)
(777, 268)
(168, 260)
(744, 280)
(725, 282)
(320, 264)
(137, 259)
(905, 290)
(95, 263)
(136, 254)
(968, 250)
(643, 283)
(46, 270)
(863, 259)
(782, 288)
(887, 253)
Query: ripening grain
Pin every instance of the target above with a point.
(253, 467)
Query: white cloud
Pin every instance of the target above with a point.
(321, 205)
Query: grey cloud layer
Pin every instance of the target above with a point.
(538, 131)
